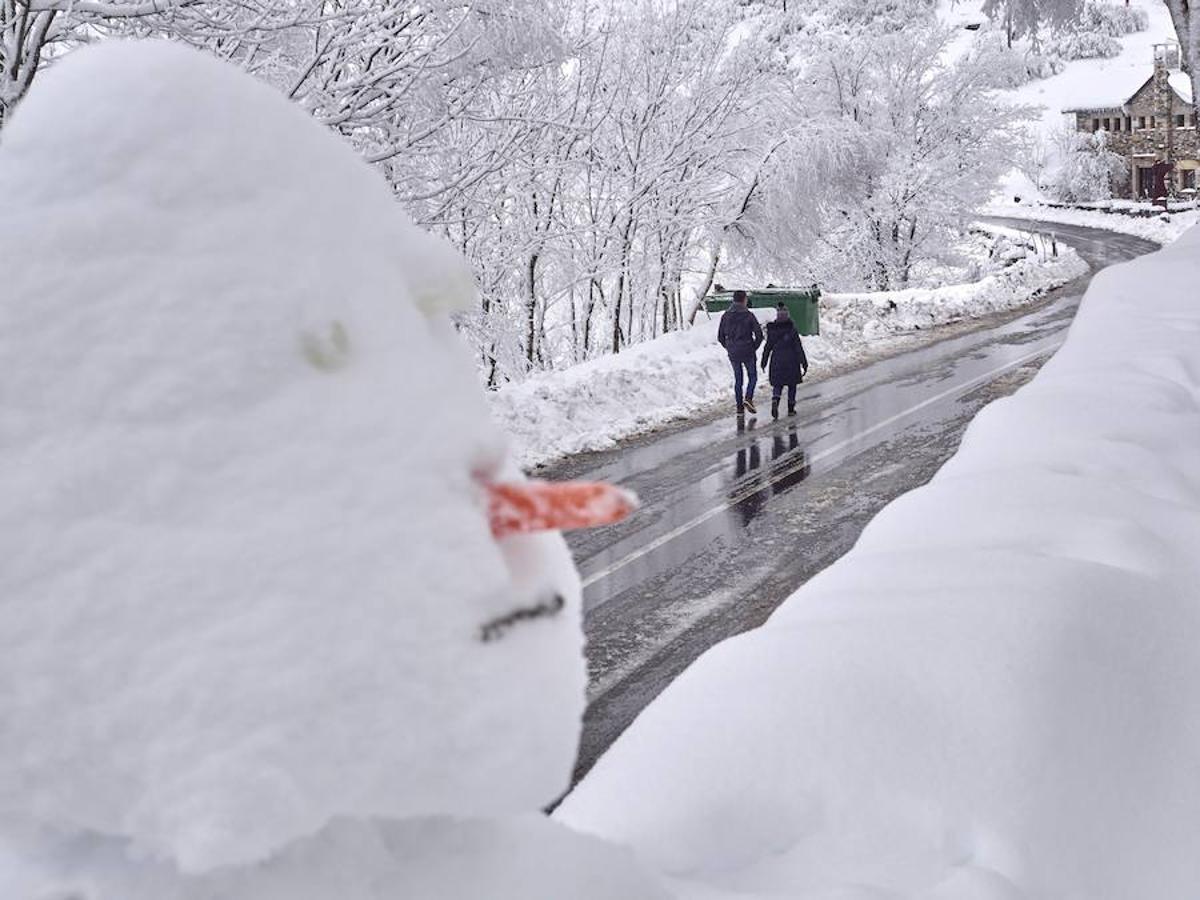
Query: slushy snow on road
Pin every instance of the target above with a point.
(251, 597)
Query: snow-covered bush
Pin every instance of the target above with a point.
(1088, 171)
(1012, 67)
(1112, 19)
(1093, 35)
(1083, 45)
(1042, 65)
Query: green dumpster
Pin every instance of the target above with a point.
(801, 304)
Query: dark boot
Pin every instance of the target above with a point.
(774, 407)
(791, 410)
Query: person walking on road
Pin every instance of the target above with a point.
(740, 334)
(785, 354)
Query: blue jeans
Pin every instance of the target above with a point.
(751, 381)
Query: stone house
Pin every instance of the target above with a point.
(1154, 128)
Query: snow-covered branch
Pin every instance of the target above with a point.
(107, 10)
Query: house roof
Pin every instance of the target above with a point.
(1182, 83)
(1112, 92)
(1115, 93)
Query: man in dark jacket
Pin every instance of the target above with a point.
(785, 354)
(740, 334)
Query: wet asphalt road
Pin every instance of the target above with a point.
(735, 517)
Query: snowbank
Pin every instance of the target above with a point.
(592, 405)
(522, 858)
(996, 693)
(1162, 229)
(238, 469)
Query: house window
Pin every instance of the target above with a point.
(1116, 125)
(1129, 123)
(1180, 120)
(1141, 121)
(1095, 124)
(1154, 121)
(1188, 178)
(1108, 125)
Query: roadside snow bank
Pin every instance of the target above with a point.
(1162, 229)
(996, 693)
(594, 404)
(522, 858)
(246, 564)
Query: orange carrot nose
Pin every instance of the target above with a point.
(523, 507)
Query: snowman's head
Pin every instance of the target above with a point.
(261, 566)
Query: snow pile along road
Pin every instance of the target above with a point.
(592, 405)
(1162, 229)
(996, 693)
(256, 630)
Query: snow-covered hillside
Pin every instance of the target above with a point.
(996, 694)
(1082, 81)
(1098, 81)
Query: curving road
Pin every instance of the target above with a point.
(736, 518)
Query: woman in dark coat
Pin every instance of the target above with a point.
(785, 354)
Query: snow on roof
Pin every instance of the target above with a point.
(1111, 92)
(1182, 83)
(1118, 91)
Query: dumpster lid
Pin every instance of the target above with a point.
(774, 294)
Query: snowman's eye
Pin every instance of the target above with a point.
(525, 507)
(327, 352)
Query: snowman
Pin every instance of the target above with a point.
(267, 565)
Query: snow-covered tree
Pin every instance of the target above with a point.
(1186, 16)
(1025, 18)
(598, 163)
(33, 31)
(269, 38)
(1088, 171)
(910, 146)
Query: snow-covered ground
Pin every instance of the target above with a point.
(1163, 228)
(592, 405)
(996, 694)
